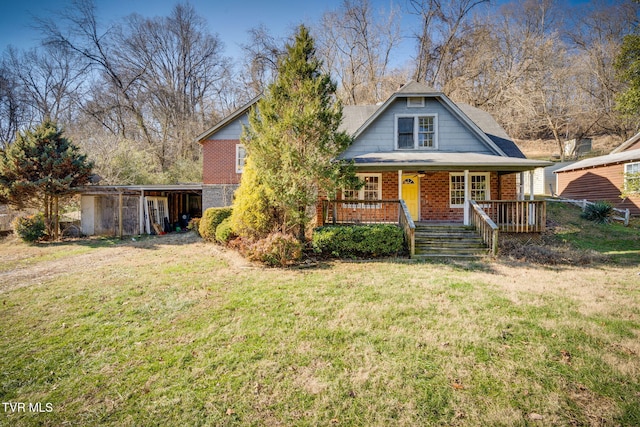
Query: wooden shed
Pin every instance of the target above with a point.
(126, 210)
(603, 177)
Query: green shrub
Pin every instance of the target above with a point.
(194, 225)
(210, 220)
(276, 250)
(30, 228)
(224, 231)
(253, 214)
(358, 240)
(599, 212)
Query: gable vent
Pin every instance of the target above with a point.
(415, 101)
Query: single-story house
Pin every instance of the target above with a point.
(419, 148)
(603, 177)
(127, 210)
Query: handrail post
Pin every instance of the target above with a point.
(408, 226)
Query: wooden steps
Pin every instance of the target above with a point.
(448, 241)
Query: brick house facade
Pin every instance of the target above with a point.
(452, 153)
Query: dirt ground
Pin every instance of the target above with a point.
(546, 149)
(33, 264)
(23, 265)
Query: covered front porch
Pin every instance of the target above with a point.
(488, 198)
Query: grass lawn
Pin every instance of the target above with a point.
(173, 331)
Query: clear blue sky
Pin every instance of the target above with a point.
(230, 19)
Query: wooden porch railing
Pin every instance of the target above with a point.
(409, 228)
(485, 226)
(517, 216)
(488, 217)
(360, 211)
(343, 212)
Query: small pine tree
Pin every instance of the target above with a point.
(40, 168)
(293, 137)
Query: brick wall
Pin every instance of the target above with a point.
(219, 164)
(508, 189)
(434, 198)
(434, 195)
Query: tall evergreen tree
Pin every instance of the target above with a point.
(628, 66)
(293, 137)
(41, 167)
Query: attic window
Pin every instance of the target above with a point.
(415, 102)
(416, 132)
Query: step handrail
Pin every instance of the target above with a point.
(408, 226)
(484, 225)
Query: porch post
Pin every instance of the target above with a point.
(521, 187)
(120, 212)
(467, 197)
(531, 185)
(399, 184)
(141, 225)
(532, 212)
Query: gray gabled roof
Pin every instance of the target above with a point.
(623, 157)
(492, 129)
(416, 89)
(356, 118)
(227, 120)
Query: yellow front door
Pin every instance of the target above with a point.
(411, 194)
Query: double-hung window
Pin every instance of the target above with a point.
(416, 132)
(241, 154)
(632, 177)
(478, 191)
(371, 190)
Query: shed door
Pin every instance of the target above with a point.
(157, 210)
(411, 194)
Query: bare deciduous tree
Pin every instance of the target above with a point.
(438, 39)
(356, 44)
(51, 78)
(11, 106)
(156, 80)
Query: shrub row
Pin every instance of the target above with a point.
(359, 240)
(210, 221)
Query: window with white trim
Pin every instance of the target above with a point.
(478, 191)
(632, 177)
(416, 132)
(371, 190)
(241, 154)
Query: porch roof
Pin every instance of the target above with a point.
(138, 189)
(438, 160)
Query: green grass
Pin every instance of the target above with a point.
(621, 244)
(180, 334)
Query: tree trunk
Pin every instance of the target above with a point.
(56, 218)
